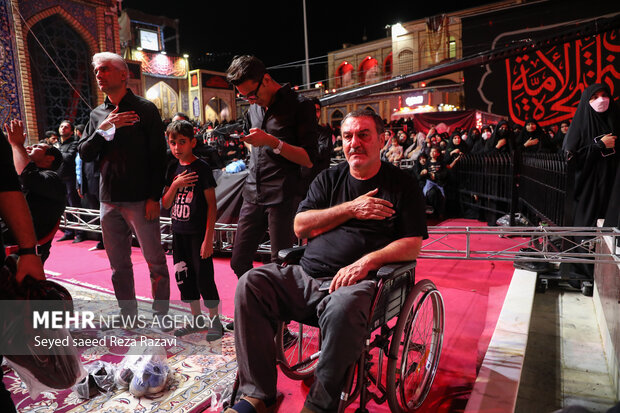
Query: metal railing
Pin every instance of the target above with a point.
(555, 244)
(537, 185)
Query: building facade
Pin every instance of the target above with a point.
(45, 57)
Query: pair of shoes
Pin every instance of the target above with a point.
(164, 322)
(66, 237)
(288, 339)
(216, 330)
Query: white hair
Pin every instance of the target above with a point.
(116, 61)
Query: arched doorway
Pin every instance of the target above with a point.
(165, 98)
(56, 98)
(344, 75)
(369, 71)
(336, 118)
(216, 110)
(387, 66)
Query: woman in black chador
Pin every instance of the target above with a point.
(590, 148)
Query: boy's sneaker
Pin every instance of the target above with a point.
(216, 331)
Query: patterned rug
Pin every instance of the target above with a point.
(199, 372)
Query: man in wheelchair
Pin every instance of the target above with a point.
(357, 217)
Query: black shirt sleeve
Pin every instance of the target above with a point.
(8, 176)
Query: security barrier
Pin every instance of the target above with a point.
(537, 185)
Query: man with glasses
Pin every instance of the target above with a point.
(283, 137)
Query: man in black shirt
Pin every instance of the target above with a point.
(126, 136)
(357, 216)
(68, 147)
(325, 148)
(283, 134)
(45, 193)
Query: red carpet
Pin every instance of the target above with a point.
(473, 293)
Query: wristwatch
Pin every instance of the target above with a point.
(279, 148)
(29, 251)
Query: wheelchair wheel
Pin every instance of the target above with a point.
(415, 348)
(296, 343)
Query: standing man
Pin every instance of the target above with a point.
(66, 172)
(126, 136)
(325, 148)
(283, 137)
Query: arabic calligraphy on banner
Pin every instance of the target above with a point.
(546, 84)
(160, 65)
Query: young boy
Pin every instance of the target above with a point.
(190, 191)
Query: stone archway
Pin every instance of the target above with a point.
(217, 110)
(165, 98)
(62, 88)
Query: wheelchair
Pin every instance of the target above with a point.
(405, 326)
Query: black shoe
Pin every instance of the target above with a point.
(66, 237)
(216, 331)
(230, 326)
(78, 239)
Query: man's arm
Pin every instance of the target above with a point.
(15, 213)
(311, 223)
(91, 144)
(68, 157)
(16, 137)
(297, 154)
(404, 249)
(206, 249)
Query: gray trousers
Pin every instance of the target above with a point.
(118, 220)
(254, 220)
(273, 293)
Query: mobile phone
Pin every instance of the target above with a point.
(605, 151)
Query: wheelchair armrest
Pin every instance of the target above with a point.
(393, 270)
(291, 255)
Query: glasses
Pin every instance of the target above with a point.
(253, 94)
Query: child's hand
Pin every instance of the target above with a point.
(185, 179)
(206, 249)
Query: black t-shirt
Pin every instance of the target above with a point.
(343, 245)
(46, 196)
(189, 210)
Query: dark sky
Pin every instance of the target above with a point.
(273, 30)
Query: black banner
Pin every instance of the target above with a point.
(543, 84)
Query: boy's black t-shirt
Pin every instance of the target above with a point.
(189, 209)
(345, 244)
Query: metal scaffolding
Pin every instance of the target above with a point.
(531, 244)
